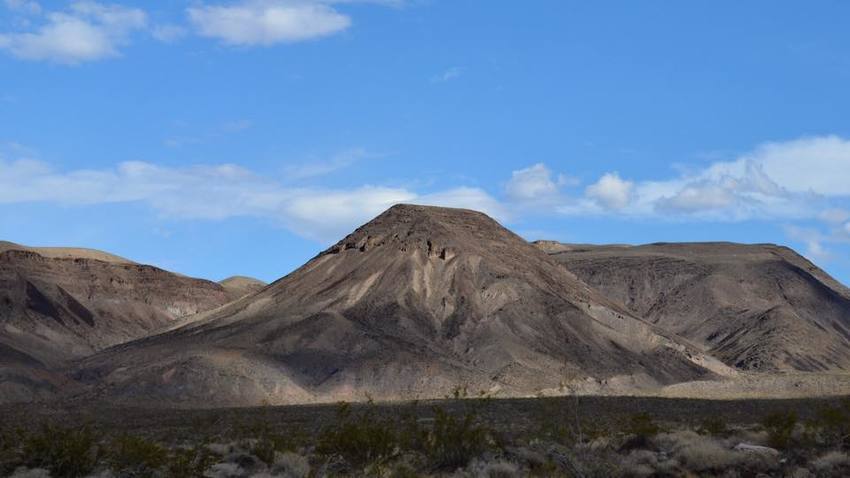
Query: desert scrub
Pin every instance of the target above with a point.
(9, 442)
(268, 443)
(66, 452)
(137, 456)
(360, 438)
(454, 441)
(779, 427)
(833, 425)
(189, 462)
(714, 426)
(642, 425)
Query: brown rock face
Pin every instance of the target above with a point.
(58, 305)
(756, 307)
(419, 301)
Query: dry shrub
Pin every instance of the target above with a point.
(189, 462)
(136, 455)
(834, 463)
(640, 464)
(290, 465)
(225, 470)
(493, 469)
(30, 473)
(699, 453)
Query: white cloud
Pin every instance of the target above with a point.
(448, 75)
(87, 31)
(23, 6)
(611, 192)
(806, 178)
(327, 215)
(779, 179)
(697, 197)
(815, 164)
(532, 183)
(216, 192)
(267, 22)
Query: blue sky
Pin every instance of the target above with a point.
(241, 137)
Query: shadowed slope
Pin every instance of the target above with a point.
(415, 303)
(756, 307)
(64, 304)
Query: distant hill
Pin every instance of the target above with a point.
(240, 286)
(756, 307)
(419, 302)
(61, 304)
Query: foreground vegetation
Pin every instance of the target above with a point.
(460, 438)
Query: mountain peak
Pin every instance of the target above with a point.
(435, 230)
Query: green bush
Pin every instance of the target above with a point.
(9, 459)
(359, 438)
(714, 426)
(137, 454)
(66, 452)
(834, 425)
(454, 442)
(643, 425)
(779, 426)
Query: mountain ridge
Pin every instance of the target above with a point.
(416, 302)
(758, 307)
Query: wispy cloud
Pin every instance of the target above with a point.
(217, 192)
(168, 33)
(210, 134)
(448, 75)
(318, 168)
(759, 185)
(813, 240)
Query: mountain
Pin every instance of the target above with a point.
(240, 286)
(756, 307)
(418, 302)
(61, 304)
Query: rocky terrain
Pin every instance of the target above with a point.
(422, 303)
(61, 304)
(756, 307)
(419, 302)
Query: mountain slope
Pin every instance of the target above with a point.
(240, 286)
(58, 305)
(416, 303)
(756, 307)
